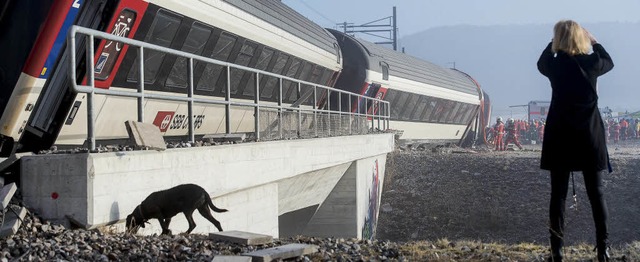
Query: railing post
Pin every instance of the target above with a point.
(90, 96)
(299, 114)
(256, 100)
(376, 111)
(192, 133)
(350, 117)
(328, 112)
(227, 107)
(315, 111)
(280, 113)
(340, 112)
(366, 108)
(141, 86)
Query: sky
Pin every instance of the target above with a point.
(417, 15)
(414, 16)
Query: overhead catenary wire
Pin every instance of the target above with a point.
(316, 11)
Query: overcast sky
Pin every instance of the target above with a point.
(417, 15)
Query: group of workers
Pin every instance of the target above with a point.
(624, 129)
(505, 134)
(502, 134)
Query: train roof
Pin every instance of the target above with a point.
(282, 16)
(409, 67)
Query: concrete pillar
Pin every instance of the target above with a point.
(337, 215)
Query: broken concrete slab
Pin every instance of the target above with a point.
(7, 162)
(145, 135)
(282, 252)
(240, 237)
(236, 137)
(231, 259)
(6, 193)
(12, 222)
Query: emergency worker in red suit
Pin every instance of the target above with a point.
(624, 126)
(615, 131)
(574, 137)
(541, 131)
(512, 133)
(498, 128)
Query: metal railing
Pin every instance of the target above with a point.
(379, 118)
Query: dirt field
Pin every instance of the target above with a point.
(499, 197)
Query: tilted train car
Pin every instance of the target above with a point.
(429, 103)
(39, 109)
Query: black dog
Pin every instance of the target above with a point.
(165, 204)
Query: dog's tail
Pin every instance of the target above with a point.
(213, 207)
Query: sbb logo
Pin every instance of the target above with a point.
(163, 120)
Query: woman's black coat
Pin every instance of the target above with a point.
(574, 135)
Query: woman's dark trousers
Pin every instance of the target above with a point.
(559, 188)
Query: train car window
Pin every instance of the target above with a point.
(437, 110)
(454, 112)
(385, 70)
(391, 96)
(326, 75)
(195, 42)
(263, 62)
(464, 111)
(398, 106)
(431, 105)
(304, 75)
(112, 50)
(163, 29)
(470, 113)
(422, 104)
(316, 73)
(272, 82)
(461, 112)
(448, 115)
(244, 58)
(212, 72)
(293, 72)
(455, 119)
(410, 106)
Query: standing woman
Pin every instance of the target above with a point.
(574, 137)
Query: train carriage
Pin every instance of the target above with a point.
(264, 35)
(429, 103)
(38, 108)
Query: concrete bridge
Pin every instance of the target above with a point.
(316, 187)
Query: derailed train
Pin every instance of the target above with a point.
(39, 109)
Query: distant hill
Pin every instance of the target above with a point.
(503, 60)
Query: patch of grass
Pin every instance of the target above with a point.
(469, 250)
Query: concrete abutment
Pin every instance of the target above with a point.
(316, 187)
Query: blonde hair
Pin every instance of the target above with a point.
(570, 37)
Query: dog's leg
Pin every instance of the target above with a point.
(192, 224)
(164, 223)
(206, 213)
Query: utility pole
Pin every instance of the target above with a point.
(376, 29)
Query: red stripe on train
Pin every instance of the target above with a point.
(47, 37)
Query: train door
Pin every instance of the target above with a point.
(56, 98)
